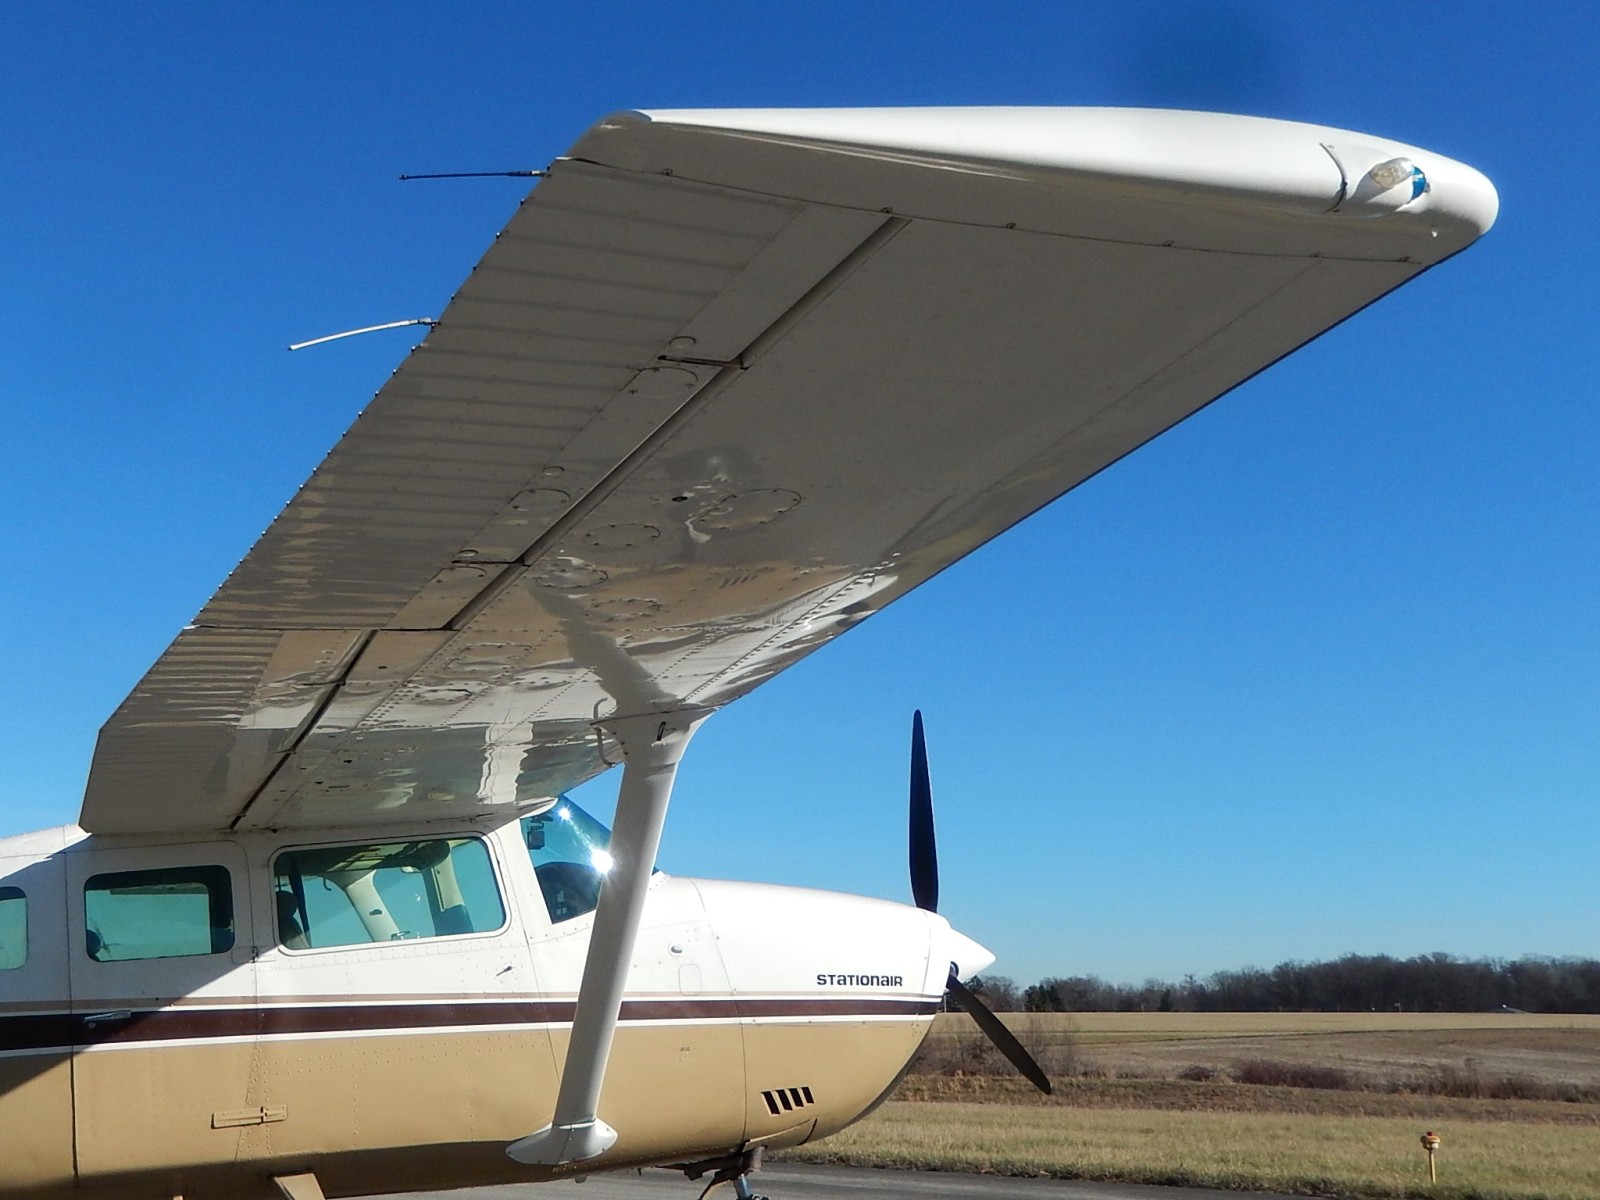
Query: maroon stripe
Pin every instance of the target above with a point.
(38, 1031)
(66, 1031)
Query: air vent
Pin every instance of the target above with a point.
(782, 1100)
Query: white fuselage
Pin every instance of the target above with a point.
(754, 1015)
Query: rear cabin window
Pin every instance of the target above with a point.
(395, 891)
(170, 912)
(13, 928)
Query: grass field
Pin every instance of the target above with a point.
(1155, 1098)
(1380, 1051)
(1320, 1155)
(1155, 1025)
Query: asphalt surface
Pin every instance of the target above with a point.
(782, 1181)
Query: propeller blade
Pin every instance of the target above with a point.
(997, 1033)
(924, 853)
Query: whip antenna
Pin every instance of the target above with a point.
(482, 175)
(430, 322)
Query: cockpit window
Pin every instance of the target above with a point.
(13, 928)
(169, 912)
(395, 891)
(570, 856)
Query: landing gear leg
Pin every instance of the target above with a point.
(737, 1171)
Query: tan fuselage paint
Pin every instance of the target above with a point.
(35, 1122)
(398, 1111)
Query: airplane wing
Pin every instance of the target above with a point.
(727, 384)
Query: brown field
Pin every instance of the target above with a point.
(1153, 1025)
(1176, 1095)
(1379, 1051)
(1157, 1098)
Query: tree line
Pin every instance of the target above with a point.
(1354, 983)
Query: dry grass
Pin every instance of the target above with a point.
(1361, 1156)
(1470, 1054)
(1151, 1026)
(1172, 1095)
(1332, 1103)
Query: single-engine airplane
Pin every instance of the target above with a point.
(726, 384)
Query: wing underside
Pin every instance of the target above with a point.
(724, 386)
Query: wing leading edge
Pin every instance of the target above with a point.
(725, 385)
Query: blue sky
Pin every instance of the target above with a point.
(1317, 672)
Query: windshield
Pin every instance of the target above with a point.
(570, 856)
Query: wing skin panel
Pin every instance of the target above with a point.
(513, 410)
(946, 418)
(672, 435)
(214, 716)
(495, 395)
(942, 388)
(785, 270)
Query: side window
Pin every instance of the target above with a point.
(13, 928)
(570, 855)
(170, 912)
(352, 895)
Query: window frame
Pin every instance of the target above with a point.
(496, 875)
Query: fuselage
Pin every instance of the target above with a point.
(391, 1009)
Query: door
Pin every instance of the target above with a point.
(35, 1030)
(159, 944)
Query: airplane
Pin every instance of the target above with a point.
(727, 383)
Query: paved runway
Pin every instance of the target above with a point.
(782, 1181)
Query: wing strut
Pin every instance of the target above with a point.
(652, 745)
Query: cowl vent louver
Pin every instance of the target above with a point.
(782, 1100)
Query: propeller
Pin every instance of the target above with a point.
(925, 891)
(924, 851)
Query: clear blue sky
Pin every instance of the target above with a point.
(1317, 672)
